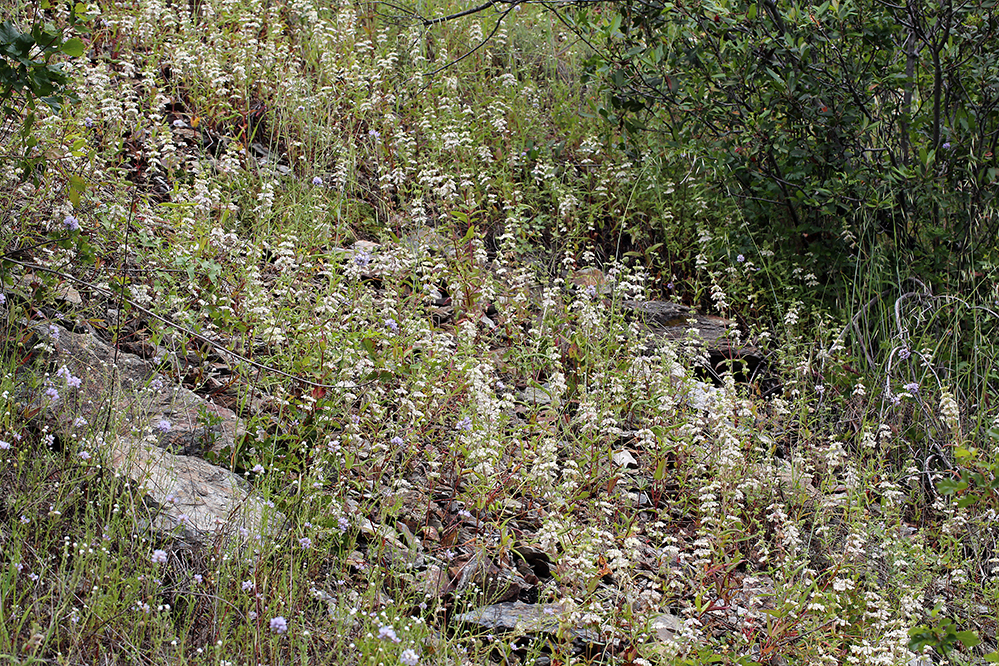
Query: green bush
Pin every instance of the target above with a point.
(28, 76)
(844, 128)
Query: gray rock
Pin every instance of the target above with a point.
(426, 241)
(623, 458)
(673, 321)
(537, 396)
(194, 498)
(526, 619)
(493, 582)
(667, 627)
(702, 396)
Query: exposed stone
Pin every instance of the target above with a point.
(535, 395)
(150, 423)
(673, 321)
(667, 627)
(495, 583)
(702, 396)
(526, 619)
(585, 278)
(623, 458)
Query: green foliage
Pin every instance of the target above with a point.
(977, 479)
(839, 126)
(28, 75)
(944, 637)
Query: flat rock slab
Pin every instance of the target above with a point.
(193, 497)
(674, 321)
(526, 619)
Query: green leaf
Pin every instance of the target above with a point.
(660, 472)
(72, 47)
(969, 638)
(965, 502)
(751, 13)
(951, 486)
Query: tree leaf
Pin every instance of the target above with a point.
(72, 47)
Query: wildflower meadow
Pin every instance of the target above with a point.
(375, 333)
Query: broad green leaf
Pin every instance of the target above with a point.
(72, 47)
(951, 486)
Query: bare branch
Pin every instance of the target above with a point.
(450, 17)
(478, 46)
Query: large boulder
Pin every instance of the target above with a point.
(152, 427)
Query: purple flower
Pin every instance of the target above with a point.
(84, 455)
(4, 445)
(159, 556)
(946, 145)
(258, 469)
(52, 393)
(740, 258)
(912, 387)
(198, 578)
(904, 353)
(397, 441)
(591, 290)
(392, 325)
(388, 633)
(247, 585)
(71, 223)
(279, 625)
(464, 424)
(88, 121)
(178, 123)
(163, 426)
(362, 258)
(79, 422)
(305, 542)
(3, 298)
(669, 285)
(342, 524)
(374, 134)
(317, 180)
(54, 332)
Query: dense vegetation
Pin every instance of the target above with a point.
(407, 213)
(849, 129)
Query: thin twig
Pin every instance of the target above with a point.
(121, 295)
(473, 10)
(478, 46)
